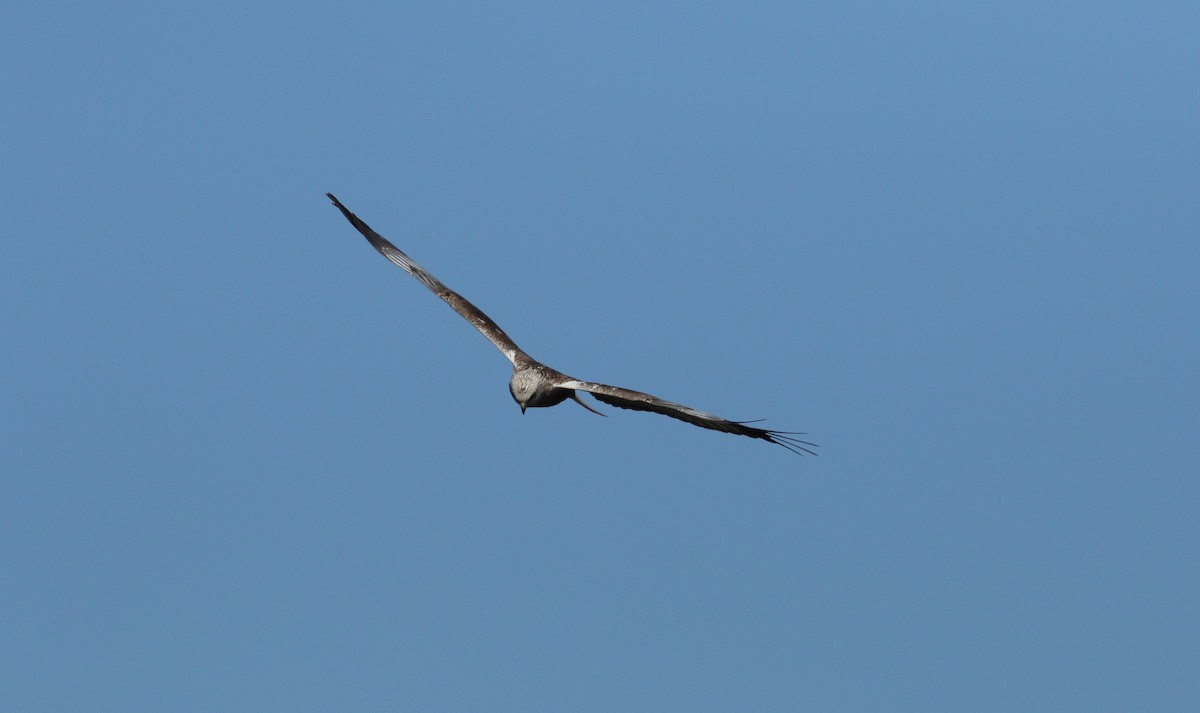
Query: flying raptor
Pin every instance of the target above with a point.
(535, 385)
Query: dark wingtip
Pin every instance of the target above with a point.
(346, 212)
(795, 445)
(788, 440)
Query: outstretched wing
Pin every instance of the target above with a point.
(638, 401)
(457, 302)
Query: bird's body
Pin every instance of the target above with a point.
(535, 385)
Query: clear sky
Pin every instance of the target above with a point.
(249, 465)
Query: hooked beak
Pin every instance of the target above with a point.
(522, 408)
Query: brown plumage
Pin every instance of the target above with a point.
(535, 385)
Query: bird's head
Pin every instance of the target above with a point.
(523, 386)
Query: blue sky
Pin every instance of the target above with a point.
(249, 465)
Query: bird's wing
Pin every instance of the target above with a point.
(469, 312)
(638, 401)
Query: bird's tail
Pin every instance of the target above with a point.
(580, 401)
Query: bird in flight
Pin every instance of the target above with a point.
(535, 385)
